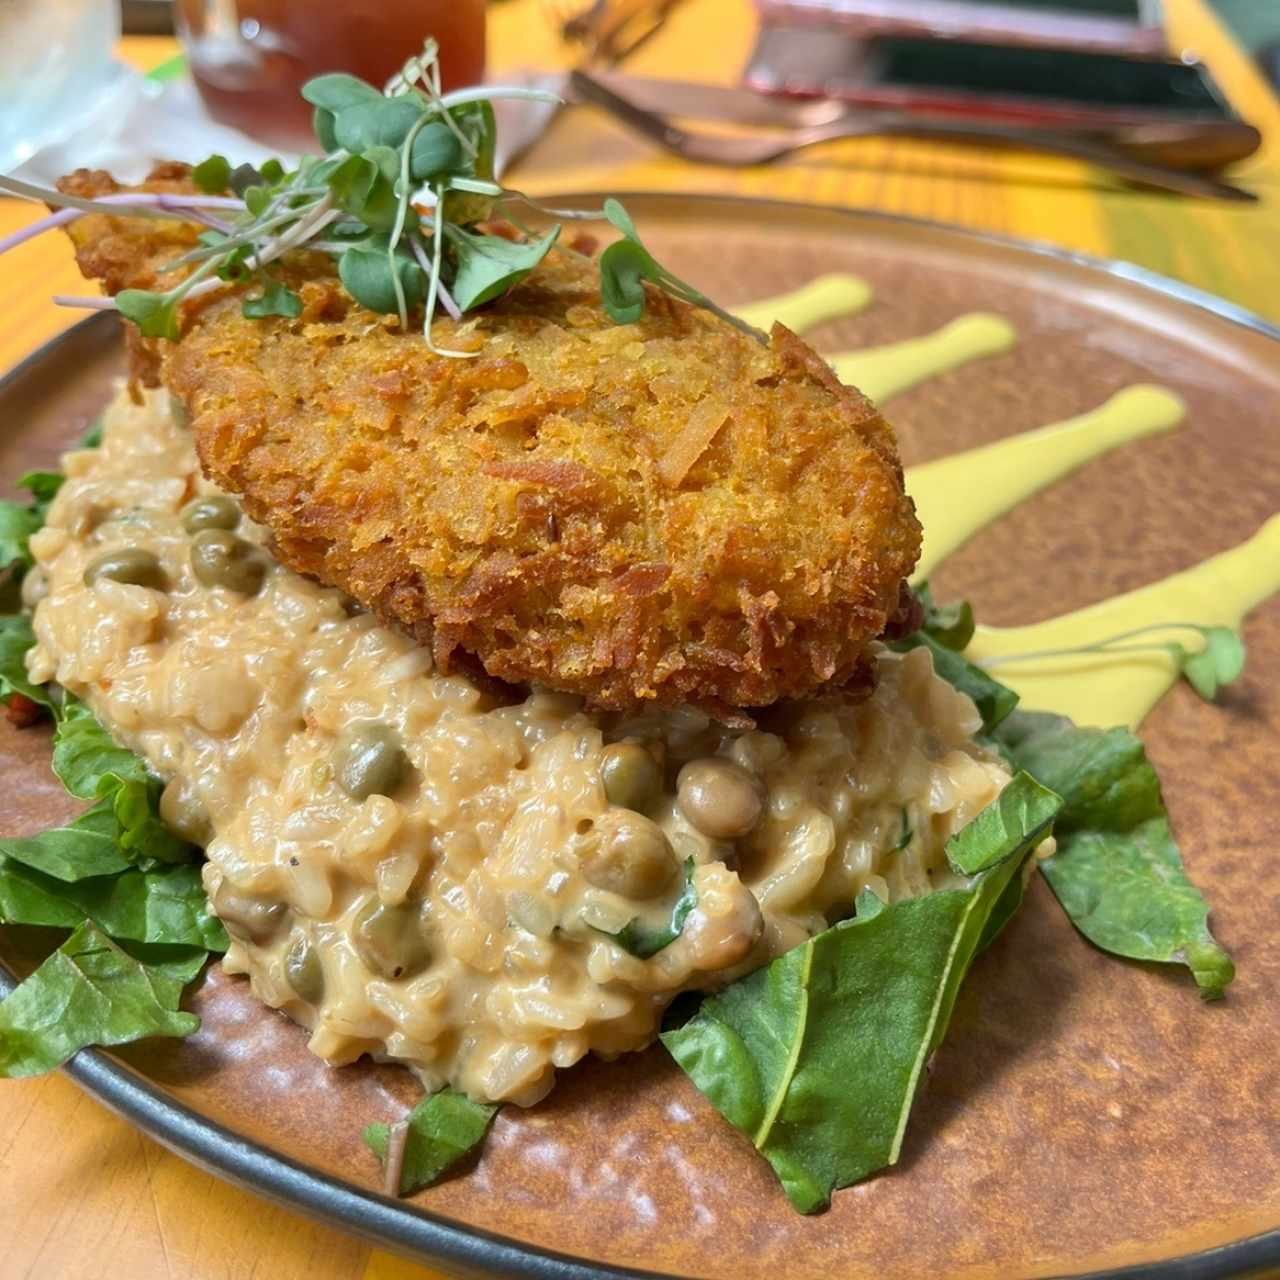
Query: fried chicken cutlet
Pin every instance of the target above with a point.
(668, 511)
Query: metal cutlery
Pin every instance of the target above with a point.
(1148, 154)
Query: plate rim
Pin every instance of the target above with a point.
(410, 1230)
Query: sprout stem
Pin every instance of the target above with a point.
(87, 304)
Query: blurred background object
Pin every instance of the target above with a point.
(147, 17)
(57, 71)
(250, 58)
(1124, 26)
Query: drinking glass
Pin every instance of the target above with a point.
(250, 58)
(56, 70)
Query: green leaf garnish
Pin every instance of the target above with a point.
(89, 991)
(322, 125)
(164, 905)
(817, 1057)
(275, 300)
(435, 152)
(212, 175)
(337, 91)
(366, 275)
(17, 524)
(906, 834)
(155, 314)
(43, 487)
(380, 148)
(951, 625)
(16, 638)
(1117, 872)
(645, 940)
(242, 177)
(626, 263)
(84, 849)
(1013, 824)
(441, 1130)
(90, 765)
(1220, 662)
(378, 122)
(487, 266)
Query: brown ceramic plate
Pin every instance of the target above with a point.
(1084, 1114)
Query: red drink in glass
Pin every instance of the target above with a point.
(250, 58)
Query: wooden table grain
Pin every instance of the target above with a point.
(82, 1194)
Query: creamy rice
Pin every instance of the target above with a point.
(241, 702)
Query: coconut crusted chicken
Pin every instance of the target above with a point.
(667, 511)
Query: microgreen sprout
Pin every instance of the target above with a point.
(1218, 661)
(399, 200)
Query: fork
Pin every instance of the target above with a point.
(740, 151)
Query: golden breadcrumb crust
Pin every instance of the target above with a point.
(666, 511)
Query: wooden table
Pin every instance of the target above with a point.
(83, 1195)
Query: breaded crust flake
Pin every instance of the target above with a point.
(667, 511)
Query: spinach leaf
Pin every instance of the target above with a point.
(90, 765)
(993, 699)
(85, 757)
(643, 940)
(84, 848)
(951, 624)
(442, 1129)
(817, 1057)
(43, 487)
(17, 524)
(1220, 661)
(165, 905)
(1015, 822)
(1117, 872)
(16, 637)
(87, 992)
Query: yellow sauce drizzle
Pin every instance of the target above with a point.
(957, 496)
(1122, 688)
(823, 298)
(881, 372)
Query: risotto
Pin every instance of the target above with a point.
(415, 869)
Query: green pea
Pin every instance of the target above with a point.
(212, 512)
(247, 918)
(370, 761)
(630, 775)
(719, 798)
(220, 559)
(389, 939)
(305, 970)
(628, 854)
(129, 564)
